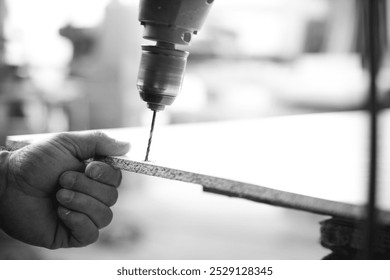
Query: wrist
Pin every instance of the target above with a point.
(4, 159)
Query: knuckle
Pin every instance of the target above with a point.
(105, 168)
(88, 238)
(106, 219)
(99, 134)
(112, 197)
(83, 229)
(66, 140)
(116, 177)
(119, 177)
(60, 136)
(78, 220)
(93, 237)
(77, 179)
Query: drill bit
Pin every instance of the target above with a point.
(150, 136)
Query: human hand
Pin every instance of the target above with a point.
(52, 198)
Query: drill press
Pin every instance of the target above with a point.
(161, 71)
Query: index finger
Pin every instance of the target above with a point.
(104, 173)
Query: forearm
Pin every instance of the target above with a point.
(4, 155)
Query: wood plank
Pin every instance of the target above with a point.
(246, 191)
(238, 189)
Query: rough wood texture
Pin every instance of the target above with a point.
(247, 191)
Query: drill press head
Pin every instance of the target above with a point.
(169, 23)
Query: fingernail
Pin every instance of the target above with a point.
(67, 180)
(95, 171)
(65, 195)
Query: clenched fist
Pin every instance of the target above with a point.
(49, 197)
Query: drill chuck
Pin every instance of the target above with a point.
(169, 23)
(160, 75)
(161, 71)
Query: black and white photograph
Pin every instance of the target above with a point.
(232, 133)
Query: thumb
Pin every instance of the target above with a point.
(85, 145)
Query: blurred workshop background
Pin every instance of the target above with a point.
(72, 65)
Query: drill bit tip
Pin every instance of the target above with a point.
(150, 136)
